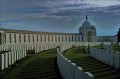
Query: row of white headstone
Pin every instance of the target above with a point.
(108, 43)
(107, 47)
(68, 69)
(29, 46)
(38, 47)
(9, 58)
(108, 57)
(17, 52)
(6, 47)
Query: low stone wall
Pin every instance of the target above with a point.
(106, 56)
(68, 69)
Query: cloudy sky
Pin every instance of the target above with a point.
(60, 15)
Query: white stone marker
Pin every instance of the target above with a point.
(117, 60)
(15, 54)
(6, 59)
(68, 69)
(72, 70)
(88, 75)
(104, 56)
(79, 73)
(19, 55)
(12, 56)
(1, 61)
(9, 58)
(107, 57)
(112, 58)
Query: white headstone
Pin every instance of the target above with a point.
(79, 73)
(2, 61)
(72, 71)
(12, 56)
(15, 54)
(6, 59)
(9, 58)
(107, 57)
(112, 58)
(88, 75)
(117, 60)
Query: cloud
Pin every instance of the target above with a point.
(59, 13)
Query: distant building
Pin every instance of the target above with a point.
(87, 33)
(107, 38)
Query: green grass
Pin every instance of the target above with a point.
(38, 66)
(89, 64)
(99, 46)
(116, 47)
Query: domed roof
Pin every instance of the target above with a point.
(86, 23)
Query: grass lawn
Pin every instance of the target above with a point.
(116, 47)
(89, 64)
(99, 46)
(38, 66)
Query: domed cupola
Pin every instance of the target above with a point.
(87, 31)
(86, 23)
